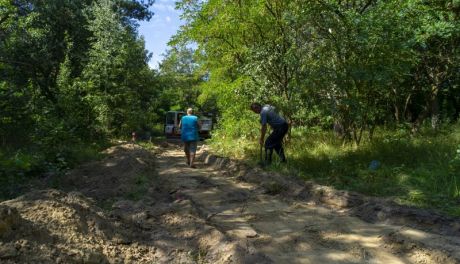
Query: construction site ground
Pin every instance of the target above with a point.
(140, 205)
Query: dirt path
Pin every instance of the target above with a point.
(140, 206)
(293, 231)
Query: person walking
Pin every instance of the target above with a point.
(279, 127)
(189, 127)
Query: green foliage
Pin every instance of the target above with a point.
(13, 171)
(139, 187)
(454, 166)
(19, 167)
(179, 79)
(85, 72)
(355, 67)
(329, 62)
(420, 170)
(72, 73)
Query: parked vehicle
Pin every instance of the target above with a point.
(206, 126)
(172, 120)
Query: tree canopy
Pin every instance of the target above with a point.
(73, 69)
(356, 64)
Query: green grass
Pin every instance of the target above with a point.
(422, 170)
(106, 204)
(139, 187)
(147, 145)
(20, 167)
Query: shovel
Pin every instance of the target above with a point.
(261, 158)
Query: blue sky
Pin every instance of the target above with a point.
(160, 28)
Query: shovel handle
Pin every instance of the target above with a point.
(260, 153)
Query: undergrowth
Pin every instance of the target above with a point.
(21, 166)
(139, 187)
(421, 170)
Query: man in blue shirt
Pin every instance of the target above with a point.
(189, 126)
(279, 127)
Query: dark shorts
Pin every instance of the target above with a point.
(275, 140)
(190, 146)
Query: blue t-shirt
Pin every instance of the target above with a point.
(269, 115)
(189, 129)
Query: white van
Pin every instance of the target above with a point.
(172, 120)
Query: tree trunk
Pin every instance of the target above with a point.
(397, 114)
(435, 111)
(432, 108)
(407, 115)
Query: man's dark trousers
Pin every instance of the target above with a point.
(275, 142)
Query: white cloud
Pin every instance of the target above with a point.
(168, 19)
(165, 7)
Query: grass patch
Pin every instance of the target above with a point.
(19, 167)
(273, 188)
(107, 204)
(422, 170)
(147, 145)
(199, 255)
(139, 187)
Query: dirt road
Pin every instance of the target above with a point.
(295, 231)
(139, 206)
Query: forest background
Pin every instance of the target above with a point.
(371, 88)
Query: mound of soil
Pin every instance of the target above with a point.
(121, 173)
(59, 227)
(369, 209)
(142, 219)
(138, 206)
(414, 234)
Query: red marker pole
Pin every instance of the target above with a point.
(133, 138)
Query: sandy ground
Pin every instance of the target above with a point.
(139, 206)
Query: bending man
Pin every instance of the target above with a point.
(190, 126)
(279, 129)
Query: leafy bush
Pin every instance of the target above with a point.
(15, 168)
(455, 173)
(19, 167)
